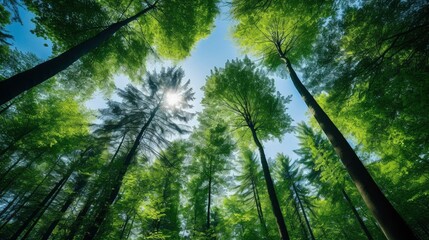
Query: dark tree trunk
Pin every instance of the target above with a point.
(356, 214)
(131, 226)
(124, 226)
(209, 197)
(74, 228)
(392, 224)
(19, 83)
(40, 214)
(40, 207)
(104, 208)
(303, 212)
(270, 187)
(23, 201)
(20, 137)
(79, 185)
(259, 207)
(301, 224)
(10, 204)
(118, 148)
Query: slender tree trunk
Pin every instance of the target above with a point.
(259, 207)
(104, 208)
(40, 207)
(10, 204)
(20, 137)
(303, 212)
(270, 187)
(124, 226)
(392, 224)
(118, 148)
(19, 83)
(209, 197)
(131, 226)
(356, 214)
(44, 208)
(301, 224)
(25, 199)
(79, 185)
(74, 228)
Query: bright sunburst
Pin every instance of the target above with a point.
(173, 99)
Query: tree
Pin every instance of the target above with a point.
(147, 111)
(324, 170)
(245, 97)
(210, 162)
(289, 37)
(289, 177)
(175, 34)
(248, 188)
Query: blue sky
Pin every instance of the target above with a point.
(210, 52)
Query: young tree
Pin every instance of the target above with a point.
(245, 97)
(148, 111)
(248, 188)
(172, 30)
(210, 160)
(286, 31)
(289, 177)
(324, 171)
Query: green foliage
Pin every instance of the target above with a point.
(4, 36)
(243, 94)
(207, 173)
(276, 29)
(170, 31)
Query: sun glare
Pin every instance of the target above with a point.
(173, 99)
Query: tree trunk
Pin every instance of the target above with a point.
(270, 187)
(259, 207)
(40, 207)
(79, 185)
(209, 197)
(21, 203)
(74, 228)
(10, 204)
(392, 224)
(40, 214)
(131, 226)
(104, 208)
(303, 212)
(19, 83)
(356, 214)
(124, 226)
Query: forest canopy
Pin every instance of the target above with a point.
(208, 119)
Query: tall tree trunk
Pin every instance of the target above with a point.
(392, 224)
(104, 208)
(40, 214)
(20, 137)
(259, 207)
(40, 207)
(118, 148)
(131, 226)
(303, 211)
(79, 185)
(301, 224)
(74, 228)
(356, 214)
(124, 226)
(270, 187)
(23, 201)
(209, 197)
(19, 83)
(10, 204)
